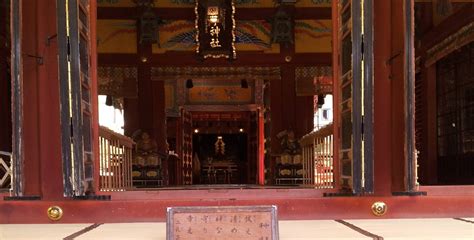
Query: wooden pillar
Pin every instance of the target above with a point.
(47, 102)
(382, 99)
(398, 96)
(32, 178)
(145, 91)
(277, 115)
(304, 115)
(159, 114)
(131, 116)
(288, 83)
(261, 149)
(151, 99)
(288, 94)
(335, 92)
(94, 93)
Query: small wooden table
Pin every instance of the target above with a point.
(213, 170)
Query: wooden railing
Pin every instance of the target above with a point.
(115, 160)
(5, 171)
(318, 165)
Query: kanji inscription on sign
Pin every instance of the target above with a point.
(226, 222)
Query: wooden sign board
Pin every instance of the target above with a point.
(226, 222)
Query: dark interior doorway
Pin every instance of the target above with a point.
(220, 158)
(5, 90)
(5, 82)
(455, 117)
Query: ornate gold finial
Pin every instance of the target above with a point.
(379, 208)
(55, 213)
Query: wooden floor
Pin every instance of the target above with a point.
(419, 229)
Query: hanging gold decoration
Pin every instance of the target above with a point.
(219, 146)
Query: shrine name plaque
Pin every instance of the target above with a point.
(225, 222)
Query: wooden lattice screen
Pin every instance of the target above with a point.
(75, 90)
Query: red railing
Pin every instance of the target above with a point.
(318, 162)
(115, 160)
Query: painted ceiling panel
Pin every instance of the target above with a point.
(250, 36)
(119, 36)
(313, 36)
(116, 36)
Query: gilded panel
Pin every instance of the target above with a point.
(212, 92)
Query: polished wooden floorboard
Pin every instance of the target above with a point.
(388, 229)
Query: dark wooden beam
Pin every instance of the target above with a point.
(243, 59)
(188, 13)
(449, 26)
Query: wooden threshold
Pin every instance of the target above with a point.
(292, 208)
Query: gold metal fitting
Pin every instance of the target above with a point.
(288, 58)
(55, 213)
(379, 208)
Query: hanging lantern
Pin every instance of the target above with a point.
(148, 22)
(215, 27)
(282, 27)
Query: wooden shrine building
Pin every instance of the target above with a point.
(114, 110)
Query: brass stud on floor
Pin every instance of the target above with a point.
(55, 213)
(379, 208)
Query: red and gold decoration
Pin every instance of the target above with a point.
(219, 146)
(215, 28)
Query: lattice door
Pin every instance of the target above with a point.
(253, 144)
(187, 147)
(75, 91)
(355, 94)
